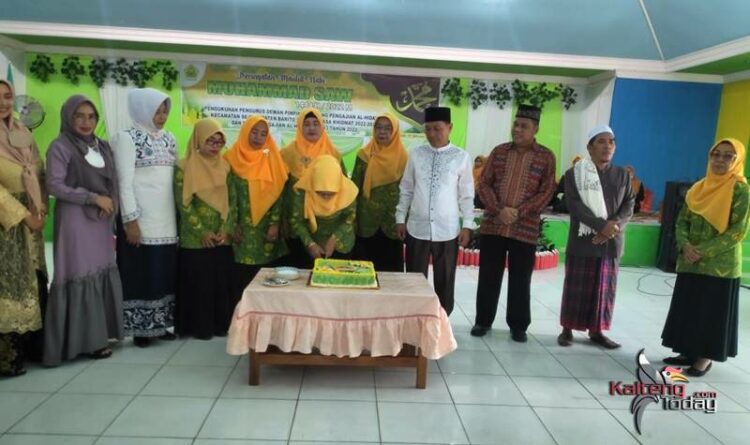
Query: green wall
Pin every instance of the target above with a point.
(641, 242)
(58, 89)
(550, 128)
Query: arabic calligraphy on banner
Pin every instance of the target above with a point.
(349, 101)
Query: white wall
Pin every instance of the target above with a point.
(16, 59)
(593, 108)
(487, 127)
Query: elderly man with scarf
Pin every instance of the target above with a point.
(600, 199)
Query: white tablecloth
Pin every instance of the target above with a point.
(341, 322)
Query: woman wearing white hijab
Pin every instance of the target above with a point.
(145, 156)
(600, 199)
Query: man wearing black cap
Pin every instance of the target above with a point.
(437, 193)
(517, 183)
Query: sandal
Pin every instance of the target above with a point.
(141, 342)
(168, 336)
(565, 339)
(679, 360)
(102, 353)
(13, 372)
(604, 341)
(694, 372)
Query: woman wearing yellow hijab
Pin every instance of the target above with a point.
(311, 140)
(324, 211)
(377, 172)
(205, 220)
(256, 183)
(702, 322)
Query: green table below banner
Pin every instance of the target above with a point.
(641, 239)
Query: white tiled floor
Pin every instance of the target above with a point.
(490, 391)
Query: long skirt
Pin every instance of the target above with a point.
(16, 348)
(11, 353)
(149, 281)
(205, 299)
(387, 254)
(33, 342)
(703, 317)
(84, 309)
(588, 299)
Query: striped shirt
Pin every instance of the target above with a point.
(521, 179)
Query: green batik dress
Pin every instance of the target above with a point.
(378, 212)
(198, 218)
(340, 224)
(254, 248)
(206, 297)
(703, 316)
(722, 253)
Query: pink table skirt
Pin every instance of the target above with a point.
(342, 322)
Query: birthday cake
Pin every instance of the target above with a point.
(343, 273)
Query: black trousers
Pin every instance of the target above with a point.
(521, 257)
(387, 254)
(444, 255)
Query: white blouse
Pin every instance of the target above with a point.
(145, 170)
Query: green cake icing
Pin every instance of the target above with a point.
(343, 273)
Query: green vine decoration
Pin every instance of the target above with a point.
(541, 94)
(521, 92)
(72, 69)
(99, 71)
(500, 94)
(169, 73)
(42, 68)
(477, 94)
(121, 72)
(537, 95)
(453, 91)
(567, 95)
(140, 73)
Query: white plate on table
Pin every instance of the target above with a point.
(275, 282)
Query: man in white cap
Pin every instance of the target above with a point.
(600, 199)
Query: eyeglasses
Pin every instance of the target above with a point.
(388, 128)
(215, 142)
(727, 157)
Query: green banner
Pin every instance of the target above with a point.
(349, 101)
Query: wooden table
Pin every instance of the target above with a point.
(407, 358)
(399, 325)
